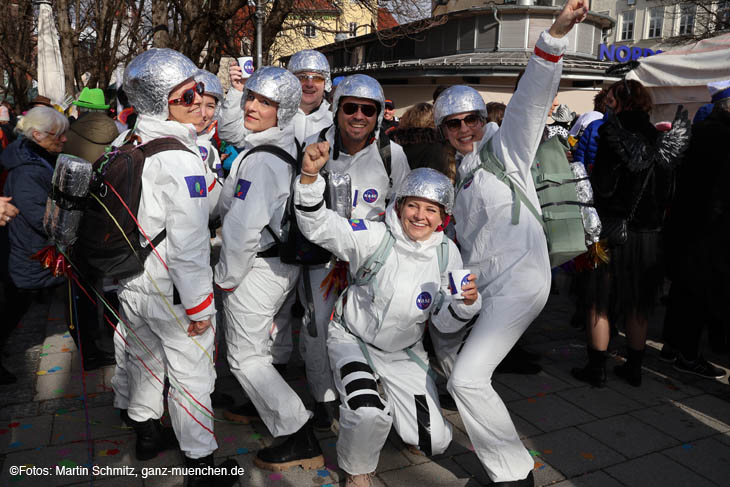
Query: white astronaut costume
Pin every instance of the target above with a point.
(371, 187)
(170, 200)
(211, 162)
(511, 262)
(231, 127)
(388, 315)
(254, 196)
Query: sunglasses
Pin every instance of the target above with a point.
(367, 110)
(188, 96)
(470, 121)
(316, 79)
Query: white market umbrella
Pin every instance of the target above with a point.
(51, 82)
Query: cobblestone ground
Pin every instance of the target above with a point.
(672, 431)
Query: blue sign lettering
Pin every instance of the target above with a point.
(622, 54)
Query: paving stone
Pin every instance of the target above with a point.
(655, 469)
(234, 437)
(595, 479)
(71, 426)
(24, 410)
(603, 402)
(71, 456)
(470, 462)
(125, 481)
(460, 443)
(75, 402)
(59, 360)
(445, 472)
(655, 389)
(550, 412)
(24, 434)
(545, 474)
(680, 422)
(58, 343)
(531, 385)
(629, 436)
(572, 452)
(714, 407)
(293, 477)
(54, 385)
(723, 438)
(505, 392)
(709, 458)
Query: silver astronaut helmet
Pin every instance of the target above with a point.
(151, 76)
(311, 61)
(278, 85)
(360, 86)
(458, 99)
(430, 184)
(213, 88)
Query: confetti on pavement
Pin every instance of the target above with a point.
(586, 455)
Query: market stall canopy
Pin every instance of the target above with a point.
(681, 75)
(51, 82)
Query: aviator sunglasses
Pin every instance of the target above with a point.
(314, 78)
(455, 123)
(350, 108)
(188, 96)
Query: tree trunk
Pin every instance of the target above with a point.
(161, 36)
(68, 38)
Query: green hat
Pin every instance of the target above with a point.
(91, 98)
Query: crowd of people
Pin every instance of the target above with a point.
(388, 239)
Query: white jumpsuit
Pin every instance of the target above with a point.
(511, 262)
(254, 196)
(173, 198)
(388, 315)
(209, 154)
(231, 128)
(371, 188)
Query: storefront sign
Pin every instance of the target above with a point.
(622, 54)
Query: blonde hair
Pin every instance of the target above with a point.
(45, 120)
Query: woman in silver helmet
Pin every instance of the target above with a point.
(379, 321)
(508, 248)
(254, 280)
(210, 108)
(160, 84)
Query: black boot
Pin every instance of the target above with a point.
(202, 476)
(152, 438)
(594, 372)
(528, 481)
(300, 449)
(322, 420)
(519, 361)
(631, 370)
(243, 414)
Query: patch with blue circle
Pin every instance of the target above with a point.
(203, 152)
(423, 300)
(196, 186)
(357, 225)
(242, 187)
(370, 195)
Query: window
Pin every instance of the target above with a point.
(310, 31)
(353, 29)
(723, 15)
(627, 25)
(687, 19)
(656, 20)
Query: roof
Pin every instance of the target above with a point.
(315, 6)
(386, 19)
(471, 64)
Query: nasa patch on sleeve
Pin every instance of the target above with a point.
(196, 186)
(242, 187)
(357, 225)
(423, 300)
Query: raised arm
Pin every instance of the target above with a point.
(524, 119)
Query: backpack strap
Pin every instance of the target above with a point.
(323, 134)
(385, 155)
(372, 265)
(442, 252)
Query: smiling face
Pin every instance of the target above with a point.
(420, 217)
(463, 137)
(356, 127)
(185, 114)
(312, 90)
(208, 110)
(259, 112)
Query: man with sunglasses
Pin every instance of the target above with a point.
(357, 150)
(168, 309)
(504, 247)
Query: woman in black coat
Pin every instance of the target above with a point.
(630, 182)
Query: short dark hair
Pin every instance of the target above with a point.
(599, 101)
(495, 112)
(631, 95)
(439, 89)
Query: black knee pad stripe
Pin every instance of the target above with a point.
(423, 418)
(365, 401)
(351, 367)
(360, 384)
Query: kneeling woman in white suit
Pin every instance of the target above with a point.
(377, 334)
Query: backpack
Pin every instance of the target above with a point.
(295, 248)
(555, 183)
(108, 235)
